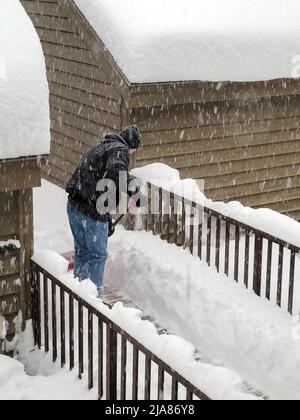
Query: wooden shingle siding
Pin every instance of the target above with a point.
(8, 215)
(247, 150)
(9, 285)
(17, 178)
(86, 92)
(10, 264)
(9, 305)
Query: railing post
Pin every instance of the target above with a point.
(258, 255)
(111, 364)
(36, 306)
(33, 302)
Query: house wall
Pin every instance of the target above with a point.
(17, 178)
(246, 147)
(87, 91)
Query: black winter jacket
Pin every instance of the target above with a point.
(104, 161)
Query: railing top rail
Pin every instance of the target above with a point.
(140, 347)
(230, 220)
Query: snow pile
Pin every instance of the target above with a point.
(173, 350)
(16, 385)
(217, 40)
(24, 115)
(51, 262)
(267, 220)
(226, 323)
(10, 243)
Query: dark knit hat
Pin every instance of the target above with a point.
(132, 136)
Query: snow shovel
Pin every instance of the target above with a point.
(117, 221)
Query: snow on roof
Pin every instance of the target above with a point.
(24, 93)
(209, 40)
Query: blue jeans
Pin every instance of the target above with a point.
(90, 238)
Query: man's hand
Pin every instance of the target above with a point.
(131, 206)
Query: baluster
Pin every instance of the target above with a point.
(123, 368)
(258, 255)
(218, 243)
(54, 323)
(161, 384)
(237, 253)
(71, 332)
(91, 350)
(148, 379)
(62, 328)
(192, 219)
(269, 269)
(46, 315)
(208, 248)
(100, 359)
(111, 363)
(291, 282)
(280, 275)
(80, 339)
(135, 374)
(227, 245)
(247, 257)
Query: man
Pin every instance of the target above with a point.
(90, 227)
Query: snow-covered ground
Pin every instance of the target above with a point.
(240, 339)
(24, 92)
(216, 40)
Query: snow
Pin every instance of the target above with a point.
(173, 350)
(216, 40)
(12, 242)
(24, 116)
(51, 223)
(17, 385)
(229, 325)
(51, 262)
(266, 220)
(239, 337)
(3, 328)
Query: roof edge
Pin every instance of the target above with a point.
(30, 159)
(189, 92)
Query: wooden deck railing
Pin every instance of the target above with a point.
(77, 333)
(263, 263)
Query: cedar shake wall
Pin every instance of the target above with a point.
(17, 178)
(9, 261)
(246, 149)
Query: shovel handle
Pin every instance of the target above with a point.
(116, 222)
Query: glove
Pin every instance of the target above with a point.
(111, 228)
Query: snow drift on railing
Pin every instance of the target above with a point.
(266, 220)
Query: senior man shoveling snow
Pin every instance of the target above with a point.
(96, 182)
